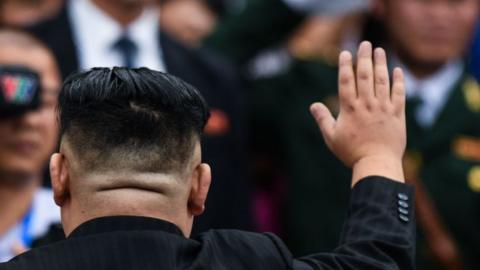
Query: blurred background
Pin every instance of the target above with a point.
(259, 64)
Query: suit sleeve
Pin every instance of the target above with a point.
(379, 232)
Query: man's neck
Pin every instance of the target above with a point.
(420, 69)
(122, 12)
(124, 201)
(421, 72)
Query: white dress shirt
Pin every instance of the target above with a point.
(433, 91)
(95, 32)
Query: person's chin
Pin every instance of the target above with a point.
(133, 3)
(437, 53)
(21, 168)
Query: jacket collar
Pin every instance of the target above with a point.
(123, 223)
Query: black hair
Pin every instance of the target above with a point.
(131, 117)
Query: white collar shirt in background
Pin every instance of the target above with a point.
(43, 213)
(95, 32)
(432, 91)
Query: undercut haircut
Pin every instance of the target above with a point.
(133, 119)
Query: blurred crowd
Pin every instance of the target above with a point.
(259, 64)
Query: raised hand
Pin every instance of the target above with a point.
(369, 134)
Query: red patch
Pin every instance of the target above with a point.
(218, 124)
(9, 86)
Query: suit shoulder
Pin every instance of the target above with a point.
(263, 248)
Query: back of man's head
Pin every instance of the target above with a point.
(129, 137)
(135, 119)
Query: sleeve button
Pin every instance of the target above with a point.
(402, 211)
(403, 218)
(402, 196)
(402, 204)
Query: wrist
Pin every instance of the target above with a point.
(381, 165)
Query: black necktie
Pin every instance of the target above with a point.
(412, 105)
(414, 129)
(127, 49)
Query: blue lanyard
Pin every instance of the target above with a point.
(26, 237)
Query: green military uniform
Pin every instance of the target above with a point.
(448, 162)
(317, 183)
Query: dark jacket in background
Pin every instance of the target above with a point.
(376, 236)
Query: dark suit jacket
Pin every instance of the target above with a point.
(375, 236)
(228, 204)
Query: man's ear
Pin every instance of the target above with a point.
(201, 180)
(60, 178)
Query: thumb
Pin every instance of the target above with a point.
(324, 119)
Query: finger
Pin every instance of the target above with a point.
(346, 79)
(398, 90)
(324, 119)
(365, 86)
(382, 82)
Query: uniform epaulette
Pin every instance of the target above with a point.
(474, 178)
(467, 147)
(471, 91)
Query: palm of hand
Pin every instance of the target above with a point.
(371, 123)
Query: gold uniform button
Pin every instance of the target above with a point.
(474, 179)
(471, 91)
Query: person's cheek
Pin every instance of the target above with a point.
(3, 135)
(49, 131)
